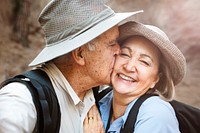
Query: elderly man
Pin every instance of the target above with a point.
(81, 44)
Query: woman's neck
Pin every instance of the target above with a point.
(119, 107)
(120, 103)
(118, 110)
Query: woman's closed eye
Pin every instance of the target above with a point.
(125, 52)
(122, 54)
(145, 62)
(146, 59)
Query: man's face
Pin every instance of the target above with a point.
(100, 62)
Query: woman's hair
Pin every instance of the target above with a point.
(165, 86)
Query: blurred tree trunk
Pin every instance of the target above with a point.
(21, 13)
(18, 18)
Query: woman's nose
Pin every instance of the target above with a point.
(130, 66)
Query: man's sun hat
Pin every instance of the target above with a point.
(169, 50)
(69, 24)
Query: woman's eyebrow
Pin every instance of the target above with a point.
(129, 49)
(145, 55)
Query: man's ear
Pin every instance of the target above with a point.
(77, 55)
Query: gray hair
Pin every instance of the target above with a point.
(91, 45)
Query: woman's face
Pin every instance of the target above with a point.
(136, 67)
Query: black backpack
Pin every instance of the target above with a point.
(44, 98)
(188, 116)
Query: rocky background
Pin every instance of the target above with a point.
(21, 37)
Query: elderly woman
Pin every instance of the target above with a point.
(148, 63)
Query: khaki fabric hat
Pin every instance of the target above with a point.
(69, 24)
(171, 53)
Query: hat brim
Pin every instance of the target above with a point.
(169, 50)
(66, 46)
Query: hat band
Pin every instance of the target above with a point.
(74, 31)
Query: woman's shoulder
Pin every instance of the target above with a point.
(157, 108)
(156, 115)
(157, 101)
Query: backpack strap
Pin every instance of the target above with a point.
(132, 116)
(99, 95)
(44, 98)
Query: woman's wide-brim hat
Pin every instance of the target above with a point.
(69, 24)
(173, 56)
